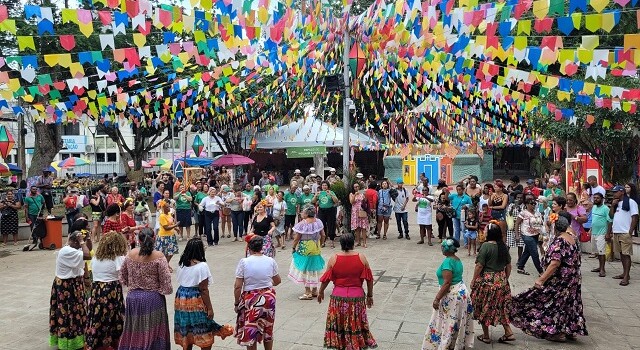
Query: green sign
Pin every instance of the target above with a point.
(305, 152)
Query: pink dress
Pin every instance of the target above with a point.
(358, 222)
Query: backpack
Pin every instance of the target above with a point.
(365, 204)
(393, 193)
(71, 203)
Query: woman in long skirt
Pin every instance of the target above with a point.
(193, 321)
(491, 294)
(451, 324)
(106, 306)
(67, 312)
(146, 272)
(553, 308)
(347, 326)
(255, 297)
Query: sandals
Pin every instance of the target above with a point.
(306, 296)
(624, 283)
(618, 277)
(507, 338)
(523, 272)
(483, 339)
(595, 270)
(384, 238)
(420, 242)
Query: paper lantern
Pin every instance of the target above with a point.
(356, 59)
(197, 145)
(6, 142)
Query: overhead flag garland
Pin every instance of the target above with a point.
(423, 71)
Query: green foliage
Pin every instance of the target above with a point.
(610, 138)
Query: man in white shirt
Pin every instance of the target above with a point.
(400, 209)
(595, 188)
(624, 212)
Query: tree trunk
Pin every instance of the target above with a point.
(48, 142)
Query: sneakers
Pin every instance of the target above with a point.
(400, 235)
(407, 237)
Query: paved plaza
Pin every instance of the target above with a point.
(405, 285)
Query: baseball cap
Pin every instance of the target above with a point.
(399, 181)
(359, 175)
(617, 188)
(530, 181)
(312, 169)
(297, 171)
(306, 187)
(332, 170)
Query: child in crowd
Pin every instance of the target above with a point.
(471, 225)
(483, 218)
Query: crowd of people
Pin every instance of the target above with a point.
(539, 221)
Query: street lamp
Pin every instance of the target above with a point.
(93, 129)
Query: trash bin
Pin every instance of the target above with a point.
(53, 239)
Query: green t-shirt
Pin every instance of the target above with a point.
(548, 192)
(182, 202)
(453, 265)
(248, 193)
(35, 204)
(325, 200)
(305, 199)
(488, 257)
(292, 201)
(266, 188)
(600, 220)
(199, 197)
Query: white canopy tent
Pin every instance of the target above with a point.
(311, 132)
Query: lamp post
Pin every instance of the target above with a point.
(345, 104)
(93, 132)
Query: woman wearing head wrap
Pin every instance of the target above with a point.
(552, 309)
(451, 324)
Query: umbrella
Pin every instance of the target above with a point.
(4, 169)
(71, 162)
(53, 167)
(145, 164)
(232, 160)
(14, 168)
(196, 161)
(159, 162)
(83, 175)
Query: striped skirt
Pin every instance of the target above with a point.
(146, 324)
(191, 325)
(67, 314)
(105, 314)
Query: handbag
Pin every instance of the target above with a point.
(511, 222)
(362, 214)
(226, 211)
(585, 236)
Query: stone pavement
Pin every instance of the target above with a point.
(404, 289)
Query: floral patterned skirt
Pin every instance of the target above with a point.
(347, 327)
(491, 297)
(168, 245)
(451, 326)
(67, 314)
(191, 324)
(106, 315)
(553, 309)
(256, 315)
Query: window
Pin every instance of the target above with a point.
(71, 129)
(100, 158)
(111, 157)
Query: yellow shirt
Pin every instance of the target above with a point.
(165, 220)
